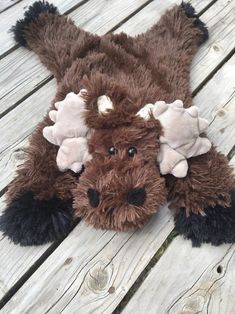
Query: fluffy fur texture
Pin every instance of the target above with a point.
(118, 189)
(215, 226)
(28, 221)
(130, 187)
(190, 12)
(208, 183)
(30, 15)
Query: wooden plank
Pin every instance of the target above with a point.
(222, 113)
(15, 260)
(10, 16)
(201, 4)
(188, 280)
(219, 18)
(101, 16)
(232, 162)
(5, 4)
(96, 16)
(103, 260)
(24, 116)
(95, 280)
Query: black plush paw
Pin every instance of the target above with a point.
(190, 12)
(30, 15)
(216, 227)
(32, 222)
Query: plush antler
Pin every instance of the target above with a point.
(69, 132)
(181, 135)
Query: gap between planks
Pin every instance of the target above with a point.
(188, 280)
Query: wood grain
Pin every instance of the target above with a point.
(5, 4)
(90, 267)
(188, 280)
(15, 260)
(216, 102)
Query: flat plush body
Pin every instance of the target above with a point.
(121, 186)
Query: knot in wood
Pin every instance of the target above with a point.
(99, 277)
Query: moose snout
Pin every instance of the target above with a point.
(136, 196)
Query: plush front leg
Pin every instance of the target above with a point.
(28, 221)
(38, 201)
(204, 201)
(172, 44)
(216, 226)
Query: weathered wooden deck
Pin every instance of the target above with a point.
(94, 271)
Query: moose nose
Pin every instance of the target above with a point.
(136, 196)
(94, 197)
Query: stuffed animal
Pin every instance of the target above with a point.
(120, 185)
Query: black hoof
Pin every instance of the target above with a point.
(30, 15)
(217, 227)
(190, 12)
(32, 222)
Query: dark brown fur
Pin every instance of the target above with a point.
(132, 72)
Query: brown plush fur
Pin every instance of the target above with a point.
(115, 175)
(132, 72)
(207, 184)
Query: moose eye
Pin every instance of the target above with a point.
(131, 151)
(112, 150)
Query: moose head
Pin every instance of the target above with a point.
(125, 150)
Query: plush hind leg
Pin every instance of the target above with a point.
(204, 201)
(171, 44)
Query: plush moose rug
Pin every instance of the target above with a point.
(121, 137)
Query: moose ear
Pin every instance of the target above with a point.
(104, 104)
(70, 132)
